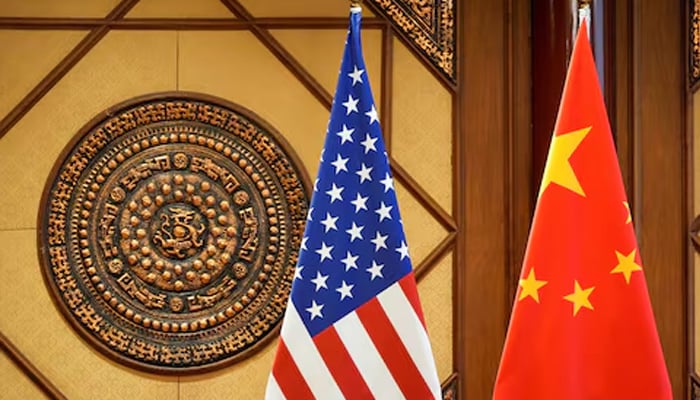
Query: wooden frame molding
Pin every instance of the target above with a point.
(63, 67)
(29, 369)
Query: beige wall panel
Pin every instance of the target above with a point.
(423, 232)
(56, 8)
(322, 59)
(435, 290)
(243, 381)
(300, 8)
(237, 67)
(123, 65)
(422, 126)
(27, 56)
(34, 324)
(14, 384)
(179, 9)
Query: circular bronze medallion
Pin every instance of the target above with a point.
(169, 231)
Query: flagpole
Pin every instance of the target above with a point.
(584, 14)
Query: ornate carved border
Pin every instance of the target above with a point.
(429, 25)
(694, 44)
(450, 388)
(224, 167)
(694, 388)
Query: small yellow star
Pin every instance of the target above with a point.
(558, 169)
(530, 286)
(626, 265)
(629, 212)
(580, 297)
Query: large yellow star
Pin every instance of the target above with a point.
(558, 169)
(626, 265)
(580, 297)
(530, 286)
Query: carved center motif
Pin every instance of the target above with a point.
(178, 231)
(172, 232)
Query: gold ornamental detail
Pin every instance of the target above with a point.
(694, 44)
(429, 25)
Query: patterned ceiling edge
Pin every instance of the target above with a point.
(694, 44)
(429, 25)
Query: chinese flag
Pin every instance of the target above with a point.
(582, 325)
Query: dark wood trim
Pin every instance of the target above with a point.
(318, 23)
(60, 70)
(422, 196)
(31, 23)
(659, 108)
(482, 147)
(553, 28)
(387, 85)
(314, 87)
(690, 253)
(435, 255)
(609, 15)
(621, 86)
(520, 193)
(29, 369)
(50, 80)
(690, 201)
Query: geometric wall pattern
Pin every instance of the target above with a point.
(85, 56)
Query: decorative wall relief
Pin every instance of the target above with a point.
(169, 231)
(429, 25)
(694, 43)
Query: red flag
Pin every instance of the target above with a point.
(582, 325)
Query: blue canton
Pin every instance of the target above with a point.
(354, 246)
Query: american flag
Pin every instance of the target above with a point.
(353, 327)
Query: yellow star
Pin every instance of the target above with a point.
(580, 297)
(558, 169)
(530, 286)
(629, 212)
(626, 265)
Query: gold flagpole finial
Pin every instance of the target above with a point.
(355, 3)
(584, 14)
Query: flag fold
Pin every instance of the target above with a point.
(582, 326)
(353, 327)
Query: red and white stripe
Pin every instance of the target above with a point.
(381, 351)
